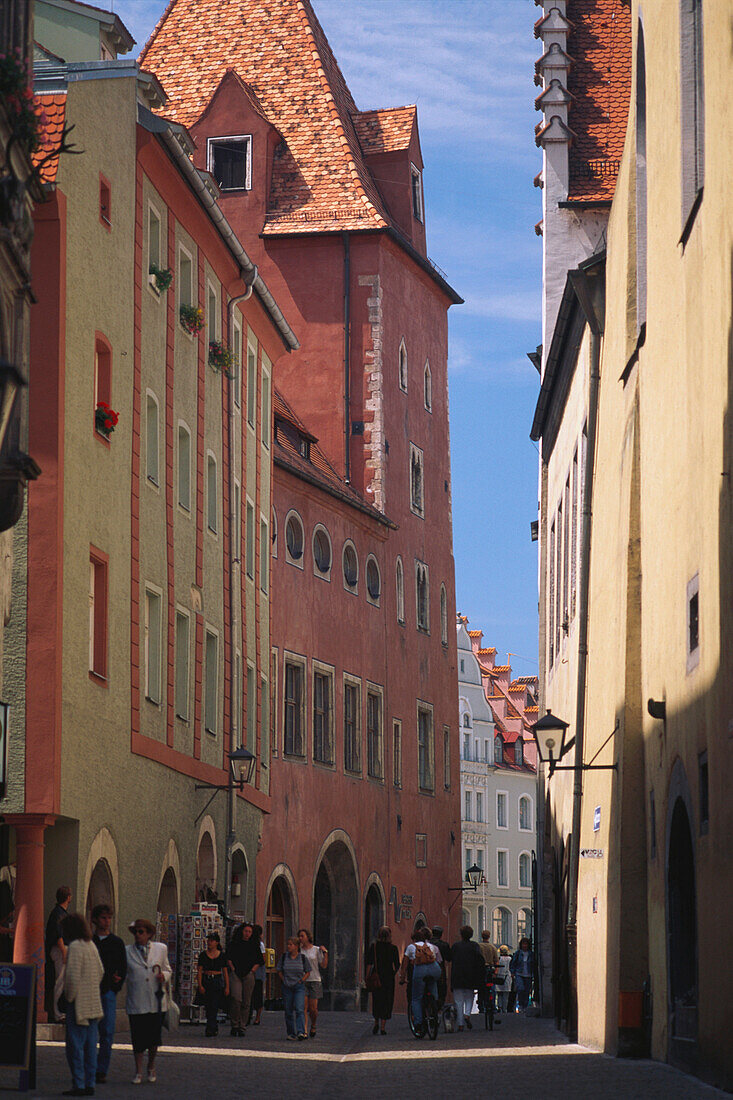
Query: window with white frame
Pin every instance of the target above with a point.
(525, 813)
(212, 502)
(152, 440)
(518, 752)
(212, 314)
(467, 806)
(350, 567)
(469, 860)
(251, 383)
(400, 590)
(443, 615)
(211, 673)
(184, 467)
(501, 924)
(322, 553)
(422, 596)
(479, 806)
(154, 241)
(446, 758)
(373, 581)
(183, 660)
(498, 750)
(294, 702)
(249, 540)
(185, 278)
(525, 871)
(480, 858)
(229, 159)
(352, 725)
(153, 629)
(425, 748)
(501, 810)
(323, 713)
(294, 540)
(524, 925)
(467, 722)
(403, 366)
(416, 192)
(417, 493)
(466, 745)
(264, 555)
(502, 857)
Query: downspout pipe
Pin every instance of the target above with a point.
(249, 280)
(347, 357)
(587, 286)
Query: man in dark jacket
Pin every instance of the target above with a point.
(56, 954)
(243, 958)
(466, 972)
(114, 960)
(436, 938)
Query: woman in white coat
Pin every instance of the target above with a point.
(148, 975)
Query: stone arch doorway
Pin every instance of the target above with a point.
(682, 938)
(205, 868)
(168, 893)
(239, 882)
(101, 890)
(336, 924)
(373, 914)
(279, 923)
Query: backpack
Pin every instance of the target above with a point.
(424, 954)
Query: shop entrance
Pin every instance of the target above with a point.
(279, 923)
(336, 925)
(682, 940)
(168, 893)
(101, 888)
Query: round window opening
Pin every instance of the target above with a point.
(372, 579)
(350, 566)
(294, 537)
(322, 551)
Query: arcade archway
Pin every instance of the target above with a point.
(336, 924)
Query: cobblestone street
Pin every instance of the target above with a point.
(524, 1058)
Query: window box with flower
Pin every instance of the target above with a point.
(161, 278)
(105, 419)
(192, 319)
(221, 358)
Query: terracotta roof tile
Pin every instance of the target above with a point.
(600, 81)
(53, 116)
(386, 130)
(476, 634)
(278, 48)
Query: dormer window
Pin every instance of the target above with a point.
(230, 162)
(416, 187)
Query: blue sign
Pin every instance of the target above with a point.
(597, 819)
(17, 1004)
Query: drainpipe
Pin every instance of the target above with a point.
(347, 362)
(249, 282)
(586, 283)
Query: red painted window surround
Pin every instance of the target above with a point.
(105, 202)
(102, 379)
(98, 615)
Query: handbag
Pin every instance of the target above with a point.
(373, 981)
(172, 1015)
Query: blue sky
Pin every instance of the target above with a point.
(469, 66)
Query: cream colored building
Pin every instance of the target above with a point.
(636, 390)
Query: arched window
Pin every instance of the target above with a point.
(417, 500)
(692, 112)
(184, 467)
(525, 813)
(428, 388)
(498, 750)
(403, 367)
(322, 551)
(422, 596)
(525, 871)
(152, 446)
(640, 181)
(373, 580)
(524, 925)
(518, 752)
(443, 615)
(294, 538)
(501, 926)
(351, 567)
(467, 721)
(400, 590)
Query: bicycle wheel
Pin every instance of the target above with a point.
(410, 1019)
(431, 1017)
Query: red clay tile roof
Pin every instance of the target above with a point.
(476, 634)
(600, 81)
(320, 180)
(385, 131)
(531, 710)
(53, 108)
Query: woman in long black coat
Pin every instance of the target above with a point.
(384, 959)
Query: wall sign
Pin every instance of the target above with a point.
(597, 819)
(17, 1020)
(591, 853)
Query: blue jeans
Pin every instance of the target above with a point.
(424, 977)
(106, 1031)
(523, 987)
(81, 1050)
(294, 998)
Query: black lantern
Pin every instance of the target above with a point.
(242, 763)
(549, 734)
(473, 876)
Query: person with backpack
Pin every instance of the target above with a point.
(294, 970)
(423, 956)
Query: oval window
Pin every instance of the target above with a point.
(351, 568)
(294, 538)
(322, 550)
(373, 579)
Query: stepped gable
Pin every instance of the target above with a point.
(277, 48)
(599, 41)
(53, 117)
(386, 130)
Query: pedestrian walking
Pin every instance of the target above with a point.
(503, 979)
(114, 960)
(293, 968)
(382, 964)
(522, 969)
(490, 956)
(56, 952)
(258, 993)
(243, 958)
(83, 973)
(148, 973)
(317, 958)
(212, 978)
(467, 971)
(424, 957)
(436, 938)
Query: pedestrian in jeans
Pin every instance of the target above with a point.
(258, 993)
(114, 960)
(522, 969)
(243, 957)
(82, 976)
(425, 959)
(293, 967)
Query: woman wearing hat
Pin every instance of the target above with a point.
(148, 977)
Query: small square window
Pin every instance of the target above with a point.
(230, 162)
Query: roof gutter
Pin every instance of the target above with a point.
(247, 267)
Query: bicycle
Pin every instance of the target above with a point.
(430, 1016)
(489, 997)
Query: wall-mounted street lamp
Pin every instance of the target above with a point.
(474, 876)
(241, 766)
(549, 734)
